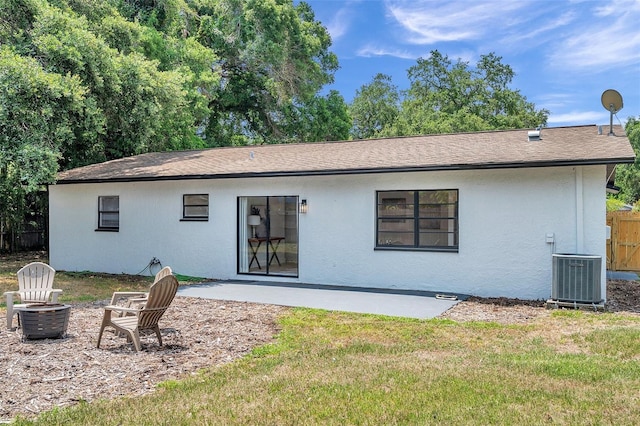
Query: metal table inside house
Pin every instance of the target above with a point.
(258, 242)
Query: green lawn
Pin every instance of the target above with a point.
(333, 368)
(568, 367)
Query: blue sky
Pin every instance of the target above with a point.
(564, 53)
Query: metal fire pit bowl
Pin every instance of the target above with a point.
(44, 320)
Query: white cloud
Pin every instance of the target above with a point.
(370, 50)
(340, 23)
(607, 38)
(537, 32)
(430, 22)
(554, 101)
(613, 7)
(574, 35)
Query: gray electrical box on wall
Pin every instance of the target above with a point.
(576, 278)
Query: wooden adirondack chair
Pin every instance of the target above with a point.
(35, 285)
(145, 316)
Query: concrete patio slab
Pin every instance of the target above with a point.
(410, 304)
(620, 275)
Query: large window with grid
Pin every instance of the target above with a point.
(417, 219)
(195, 207)
(109, 213)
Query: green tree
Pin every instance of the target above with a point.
(449, 97)
(375, 107)
(79, 84)
(39, 110)
(144, 89)
(323, 118)
(272, 56)
(130, 90)
(628, 175)
(86, 81)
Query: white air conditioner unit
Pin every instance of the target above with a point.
(576, 278)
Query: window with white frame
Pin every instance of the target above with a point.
(195, 207)
(109, 213)
(417, 219)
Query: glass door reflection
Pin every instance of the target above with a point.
(268, 235)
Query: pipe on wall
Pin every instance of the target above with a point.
(579, 211)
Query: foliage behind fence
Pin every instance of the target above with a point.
(32, 232)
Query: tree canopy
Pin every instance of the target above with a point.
(445, 97)
(84, 81)
(628, 175)
(273, 57)
(375, 107)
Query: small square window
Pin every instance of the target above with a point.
(195, 207)
(109, 213)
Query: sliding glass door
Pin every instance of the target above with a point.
(268, 235)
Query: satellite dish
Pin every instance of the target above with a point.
(612, 102)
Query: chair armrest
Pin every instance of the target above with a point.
(128, 294)
(110, 308)
(121, 309)
(137, 302)
(54, 294)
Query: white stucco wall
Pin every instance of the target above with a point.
(504, 218)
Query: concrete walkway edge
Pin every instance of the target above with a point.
(392, 302)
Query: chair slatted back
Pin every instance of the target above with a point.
(35, 282)
(161, 295)
(163, 273)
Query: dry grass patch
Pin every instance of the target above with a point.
(334, 368)
(76, 286)
(485, 363)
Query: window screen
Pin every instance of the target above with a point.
(195, 206)
(109, 212)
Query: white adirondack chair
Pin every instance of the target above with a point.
(35, 285)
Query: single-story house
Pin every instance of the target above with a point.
(472, 213)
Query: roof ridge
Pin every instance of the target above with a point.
(570, 145)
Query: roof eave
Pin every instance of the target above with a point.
(328, 172)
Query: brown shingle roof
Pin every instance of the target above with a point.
(494, 149)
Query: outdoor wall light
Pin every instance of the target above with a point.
(303, 206)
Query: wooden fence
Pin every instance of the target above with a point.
(33, 233)
(623, 249)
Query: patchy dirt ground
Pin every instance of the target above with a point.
(622, 296)
(37, 375)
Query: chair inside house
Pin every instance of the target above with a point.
(35, 285)
(145, 316)
(136, 298)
